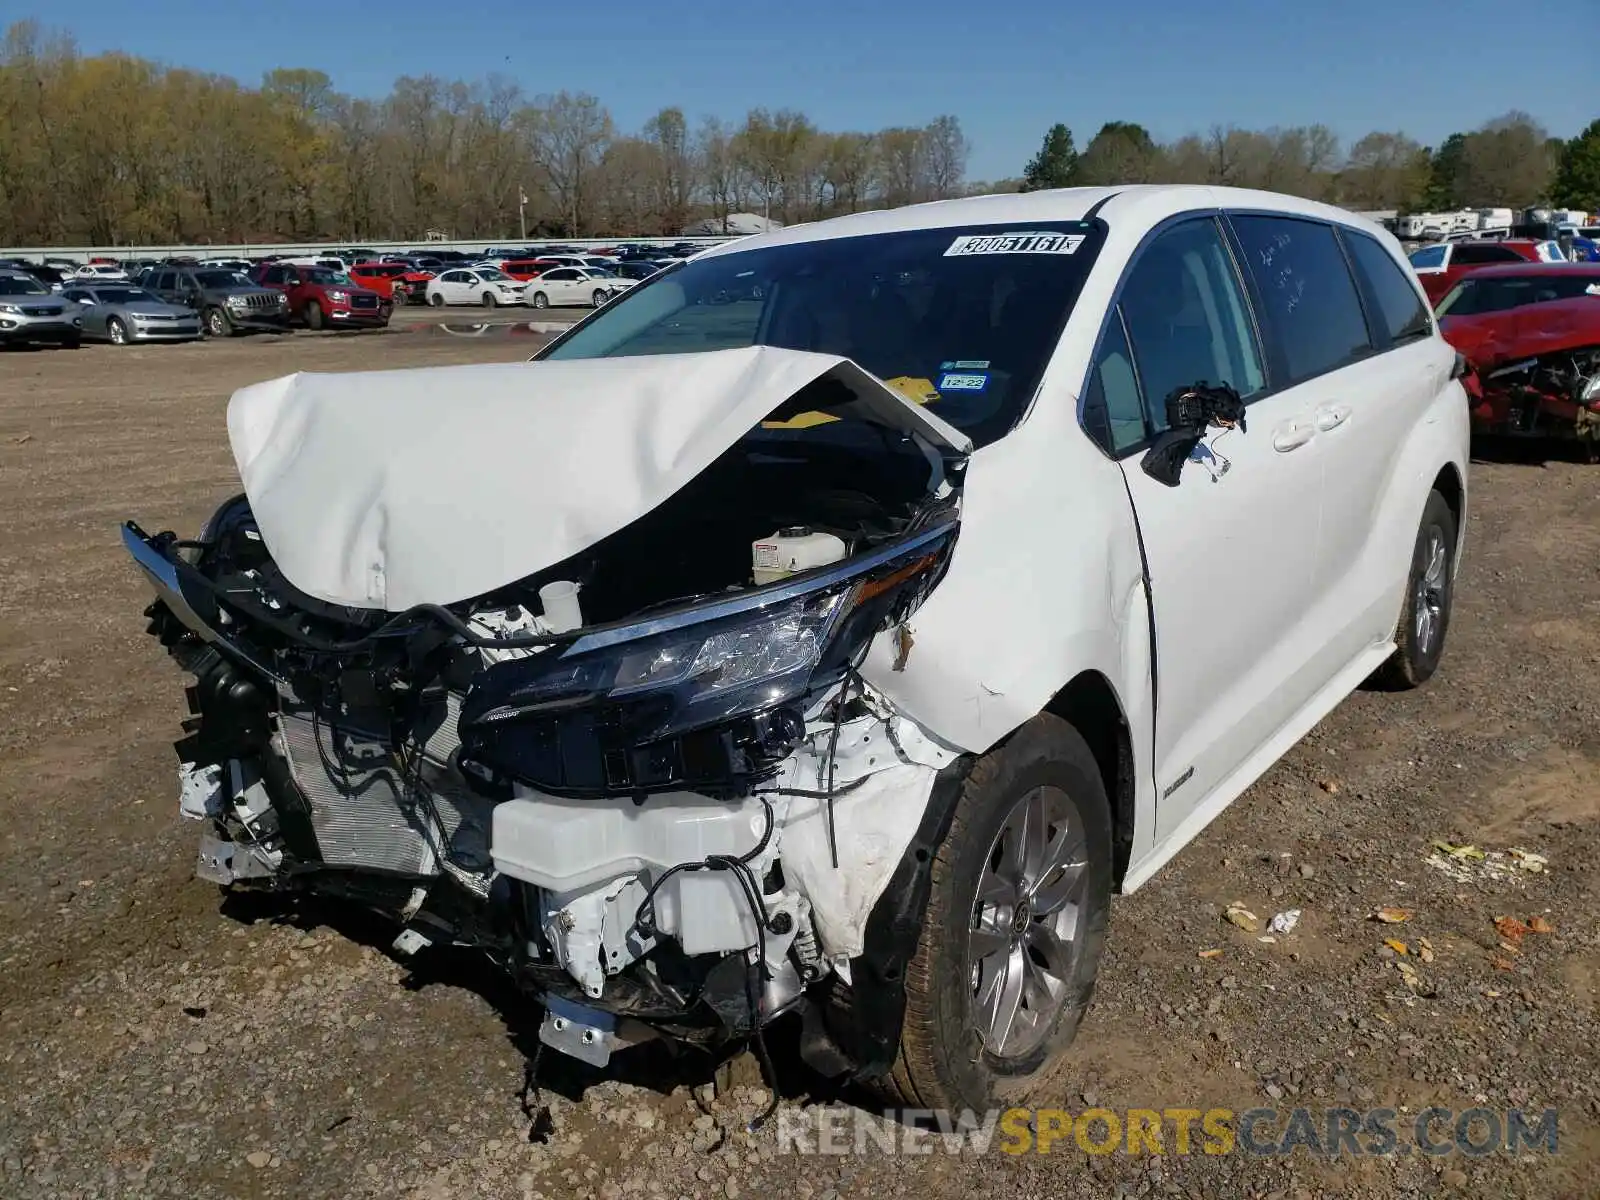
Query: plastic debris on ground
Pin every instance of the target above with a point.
(1241, 916)
(1469, 864)
(1284, 922)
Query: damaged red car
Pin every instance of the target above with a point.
(1531, 337)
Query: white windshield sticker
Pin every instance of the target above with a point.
(1020, 242)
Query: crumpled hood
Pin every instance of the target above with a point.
(387, 489)
(1490, 340)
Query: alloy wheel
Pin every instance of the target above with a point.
(1430, 589)
(1027, 923)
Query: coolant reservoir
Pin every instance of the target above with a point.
(792, 550)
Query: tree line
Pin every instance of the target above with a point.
(1510, 161)
(112, 149)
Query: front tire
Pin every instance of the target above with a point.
(1021, 895)
(313, 315)
(436, 299)
(540, 300)
(217, 323)
(1430, 593)
(599, 297)
(116, 331)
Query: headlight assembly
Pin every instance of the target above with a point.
(702, 673)
(705, 698)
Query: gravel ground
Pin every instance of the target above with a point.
(160, 1040)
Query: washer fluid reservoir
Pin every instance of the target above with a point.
(792, 550)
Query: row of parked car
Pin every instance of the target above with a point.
(180, 300)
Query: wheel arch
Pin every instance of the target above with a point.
(1090, 705)
(1449, 484)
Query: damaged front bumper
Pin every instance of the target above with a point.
(684, 824)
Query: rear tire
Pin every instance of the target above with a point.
(980, 955)
(1430, 592)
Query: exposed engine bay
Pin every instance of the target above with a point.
(1534, 368)
(648, 779)
(1554, 394)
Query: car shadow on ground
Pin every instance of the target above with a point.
(657, 1066)
(1531, 451)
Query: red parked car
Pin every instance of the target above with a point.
(1531, 337)
(323, 299)
(400, 283)
(1439, 267)
(524, 269)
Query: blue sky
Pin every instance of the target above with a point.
(1007, 70)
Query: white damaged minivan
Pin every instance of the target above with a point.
(833, 623)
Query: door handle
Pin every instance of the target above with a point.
(1291, 435)
(1332, 416)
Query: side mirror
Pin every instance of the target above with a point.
(1191, 410)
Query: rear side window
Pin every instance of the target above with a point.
(1476, 256)
(1399, 308)
(1309, 303)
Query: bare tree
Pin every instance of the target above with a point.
(902, 165)
(569, 135)
(945, 150)
(674, 169)
(847, 170)
(720, 169)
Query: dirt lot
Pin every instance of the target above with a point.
(155, 1040)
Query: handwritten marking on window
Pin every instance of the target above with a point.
(1270, 251)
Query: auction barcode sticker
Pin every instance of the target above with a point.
(1020, 242)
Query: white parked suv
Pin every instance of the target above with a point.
(832, 624)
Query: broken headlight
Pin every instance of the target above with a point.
(709, 699)
(688, 677)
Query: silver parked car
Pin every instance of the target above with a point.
(30, 312)
(123, 313)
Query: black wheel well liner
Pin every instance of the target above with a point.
(1448, 484)
(894, 926)
(1089, 704)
